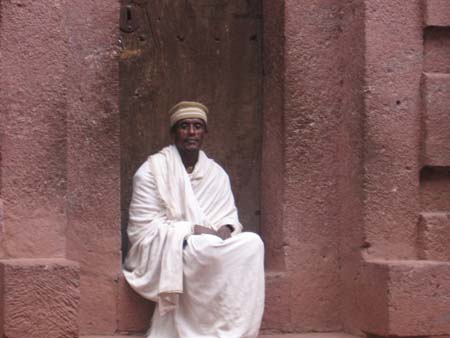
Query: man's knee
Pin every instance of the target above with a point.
(252, 240)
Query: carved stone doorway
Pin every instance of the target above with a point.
(210, 51)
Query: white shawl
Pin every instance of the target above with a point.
(167, 202)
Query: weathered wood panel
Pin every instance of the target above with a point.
(202, 50)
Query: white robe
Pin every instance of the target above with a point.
(205, 287)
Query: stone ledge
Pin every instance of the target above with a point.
(405, 298)
(111, 336)
(310, 335)
(437, 13)
(278, 335)
(134, 312)
(40, 298)
(433, 235)
(277, 297)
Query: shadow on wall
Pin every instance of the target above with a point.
(179, 50)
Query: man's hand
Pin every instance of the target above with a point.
(224, 232)
(200, 229)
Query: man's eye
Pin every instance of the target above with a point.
(199, 126)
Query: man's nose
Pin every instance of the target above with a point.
(191, 129)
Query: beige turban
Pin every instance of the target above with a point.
(187, 110)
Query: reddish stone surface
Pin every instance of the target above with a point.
(435, 189)
(394, 50)
(127, 336)
(437, 50)
(32, 121)
(272, 157)
(436, 119)
(39, 298)
(278, 293)
(433, 235)
(406, 298)
(437, 13)
(354, 148)
(93, 159)
(285, 335)
(311, 103)
(309, 335)
(134, 312)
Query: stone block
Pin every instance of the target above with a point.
(277, 312)
(134, 312)
(308, 335)
(32, 119)
(275, 335)
(98, 305)
(111, 336)
(433, 236)
(437, 13)
(405, 298)
(39, 298)
(436, 119)
(140, 336)
(92, 145)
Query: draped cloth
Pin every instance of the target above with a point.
(204, 287)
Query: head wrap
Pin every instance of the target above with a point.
(188, 110)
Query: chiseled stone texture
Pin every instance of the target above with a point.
(39, 298)
(278, 294)
(134, 312)
(308, 335)
(393, 106)
(275, 335)
(433, 236)
(405, 298)
(437, 119)
(436, 50)
(111, 336)
(32, 121)
(311, 160)
(93, 159)
(437, 13)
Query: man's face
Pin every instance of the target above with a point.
(188, 134)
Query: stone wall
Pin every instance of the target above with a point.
(317, 108)
(93, 159)
(405, 192)
(335, 113)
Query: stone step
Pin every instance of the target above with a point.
(111, 336)
(309, 335)
(278, 335)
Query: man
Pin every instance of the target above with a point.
(187, 251)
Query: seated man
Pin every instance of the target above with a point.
(187, 252)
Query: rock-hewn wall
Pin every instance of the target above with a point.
(93, 159)
(350, 134)
(33, 115)
(312, 215)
